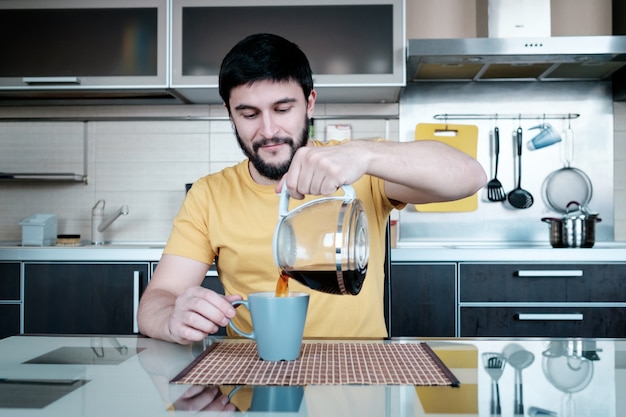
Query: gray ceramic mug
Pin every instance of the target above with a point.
(277, 324)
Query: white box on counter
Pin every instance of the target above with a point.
(39, 230)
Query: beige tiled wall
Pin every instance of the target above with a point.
(144, 164)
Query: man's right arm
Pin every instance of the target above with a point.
(176, 308)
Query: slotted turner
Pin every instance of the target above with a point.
(495, 190)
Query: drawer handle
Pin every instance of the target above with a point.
(136, 278)
(550, 273)
(547, 316)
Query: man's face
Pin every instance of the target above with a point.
(271, 123)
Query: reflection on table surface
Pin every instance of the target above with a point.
(106, 376)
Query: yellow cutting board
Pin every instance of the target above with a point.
(465, 139)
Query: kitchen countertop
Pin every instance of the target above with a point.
(404, 252)
(115, 251)
(506, 252)
(90, 376)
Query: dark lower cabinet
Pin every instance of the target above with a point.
(9, 320)
(83, 298)
(422, 300)
(542, 299)
(10, 299)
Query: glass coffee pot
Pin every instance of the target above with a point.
(324, 243)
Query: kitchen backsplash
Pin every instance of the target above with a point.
(586, 107)
(144, 164)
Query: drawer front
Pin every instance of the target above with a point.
(10, 282)
(543, 321)
(542, 282)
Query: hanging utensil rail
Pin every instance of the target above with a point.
(509, 116)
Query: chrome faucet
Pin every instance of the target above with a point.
(99, 223)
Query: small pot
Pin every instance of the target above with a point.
(577, 229)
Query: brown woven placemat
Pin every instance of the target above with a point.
(320, 364)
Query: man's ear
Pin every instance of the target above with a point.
(311, 103)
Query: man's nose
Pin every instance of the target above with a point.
(269, 127)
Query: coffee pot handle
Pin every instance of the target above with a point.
(283, 205)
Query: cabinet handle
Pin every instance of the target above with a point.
(550, 273)
(547, 316)
(136, 278)
(50, 80)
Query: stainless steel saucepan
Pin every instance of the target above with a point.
(576, 229)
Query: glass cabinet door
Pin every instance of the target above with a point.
(83, 43)
(348, 43)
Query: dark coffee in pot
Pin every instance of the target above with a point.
(332, 282)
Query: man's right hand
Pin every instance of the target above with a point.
(199, 312)
(174, 307)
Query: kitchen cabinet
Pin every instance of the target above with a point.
(83, 298)
(356, 48)
(84, 49)
(422, 299)
(540, 299)
(10, 299)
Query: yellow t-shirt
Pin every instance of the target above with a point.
(229, 216)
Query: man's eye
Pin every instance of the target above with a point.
(249, 115)
(283, 109)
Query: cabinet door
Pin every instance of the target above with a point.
(422, 300)
(543, 321)
(9, 320)
(82, 298)
(10, 299)
(76, 44)
(336, 35)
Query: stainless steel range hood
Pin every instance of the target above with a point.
(564, 58)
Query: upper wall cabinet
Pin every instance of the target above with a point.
(83, 49)
(356, 48)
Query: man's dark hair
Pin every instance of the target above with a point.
(264, 56)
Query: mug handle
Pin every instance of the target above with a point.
(237, 329)
(283, 205)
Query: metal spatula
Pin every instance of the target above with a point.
(495, 190)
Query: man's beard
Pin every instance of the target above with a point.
(274, 172)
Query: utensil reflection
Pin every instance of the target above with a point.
(494, 364)
(519, 358)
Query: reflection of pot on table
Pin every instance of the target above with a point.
(567, 370)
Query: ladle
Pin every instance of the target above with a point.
(518, 197)
(519, 360)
